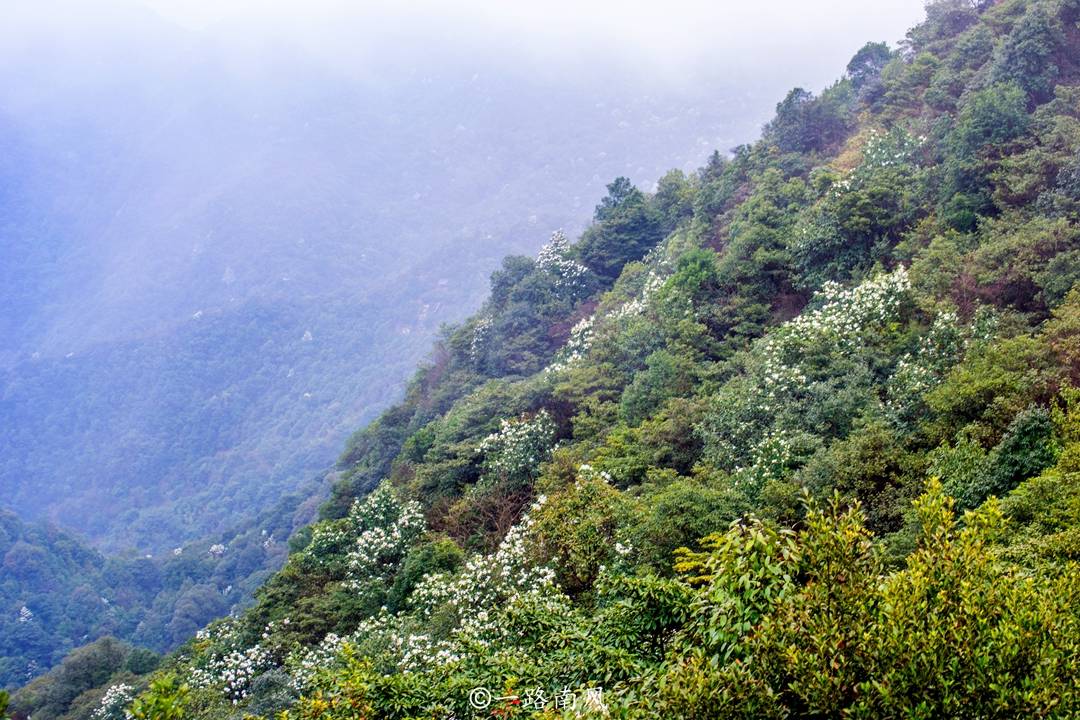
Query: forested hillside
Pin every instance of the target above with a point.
(57, 593)
(797, 435)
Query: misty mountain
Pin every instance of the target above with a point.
(217, 261)
(795, 435)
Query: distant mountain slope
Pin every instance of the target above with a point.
(795, 436)
(56, 593)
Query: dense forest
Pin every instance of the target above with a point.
(795, 435)
(59, 593)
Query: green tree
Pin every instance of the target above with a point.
(864, 68)
(626, 227)
(1027, 57)
(166, 699)
(804, 123)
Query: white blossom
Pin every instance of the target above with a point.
(114, 703)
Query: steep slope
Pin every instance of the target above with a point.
(709, 460)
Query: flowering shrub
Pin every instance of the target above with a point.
(487, 581)
(918, 372)
(374, 536)
(843, 233)
(304, 663)
(843, 315)
(114, 703)
(223, 662)
(754, 419)
(517, 449)
(473, 599)
(576, 532)
(770, 459)
(328, 541)
(554, 258)
(636, 306)
(882, 150)
(576, 346)
(888, 149)
(480, 335)
(233, 672)
(383, 541)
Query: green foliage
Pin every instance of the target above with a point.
(686, 458)
(166, 699)
(804, 123)
(626, 227)
(435, 556)
(849, 643)
(871, 466)
(1027, 57)
(992, 385)
(743, 573)
(58, 692)
(987, 122)
(865, 67)
(576, 530)
(677, 515)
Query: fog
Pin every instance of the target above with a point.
(802, 43)
(681, 39)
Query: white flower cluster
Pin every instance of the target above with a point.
(231, 667)
(407, 651)
(579, 342)
(327, 539)
(588, 472)
(378, 528)
(114, 703)
(640, 303)
(889, 149)
(844, 314)
(944, 344)
(842, 318)
(481, 332)
(386, 529)
(839, 321)
(224, 631)
(918, 372)
(475, 596)
(25, 614)
(518, 447)
(417, 652)
(660, 264)
(882, 150)
(234, 671)
(554, 258)
(488, 581)
(770, 458)
(304, 663)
